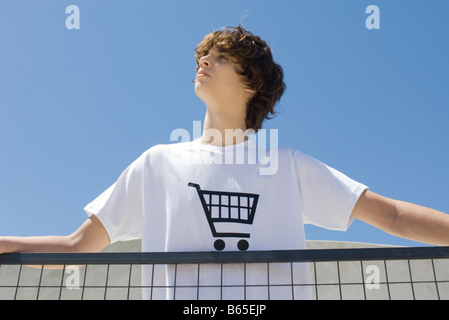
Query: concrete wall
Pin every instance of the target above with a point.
(328, 275)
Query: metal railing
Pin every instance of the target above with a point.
(366, 274)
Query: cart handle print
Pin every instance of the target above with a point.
(227, 207)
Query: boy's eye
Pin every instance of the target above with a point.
(222, 56)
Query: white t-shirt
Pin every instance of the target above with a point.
(186, 196)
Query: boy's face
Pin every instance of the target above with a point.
(218, 81)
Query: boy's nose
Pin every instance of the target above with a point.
(204, 61)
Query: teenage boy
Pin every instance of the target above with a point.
(173, 202)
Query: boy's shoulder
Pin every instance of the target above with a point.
(166, 149)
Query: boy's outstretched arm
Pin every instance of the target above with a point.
(90, 237)
(403, 219)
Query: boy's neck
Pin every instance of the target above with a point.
(222, 129)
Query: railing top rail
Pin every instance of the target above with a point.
(353, 254)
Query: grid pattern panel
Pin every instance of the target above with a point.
(349, 279)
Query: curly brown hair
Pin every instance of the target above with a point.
(257, 68)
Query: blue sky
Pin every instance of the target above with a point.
(77, 106)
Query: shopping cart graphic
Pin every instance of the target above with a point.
(226, 208)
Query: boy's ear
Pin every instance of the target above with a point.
(249, 90)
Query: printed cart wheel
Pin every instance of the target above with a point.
(243, 245)
(219, 244)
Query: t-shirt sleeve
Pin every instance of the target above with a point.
(119, 208)
(327, 196)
